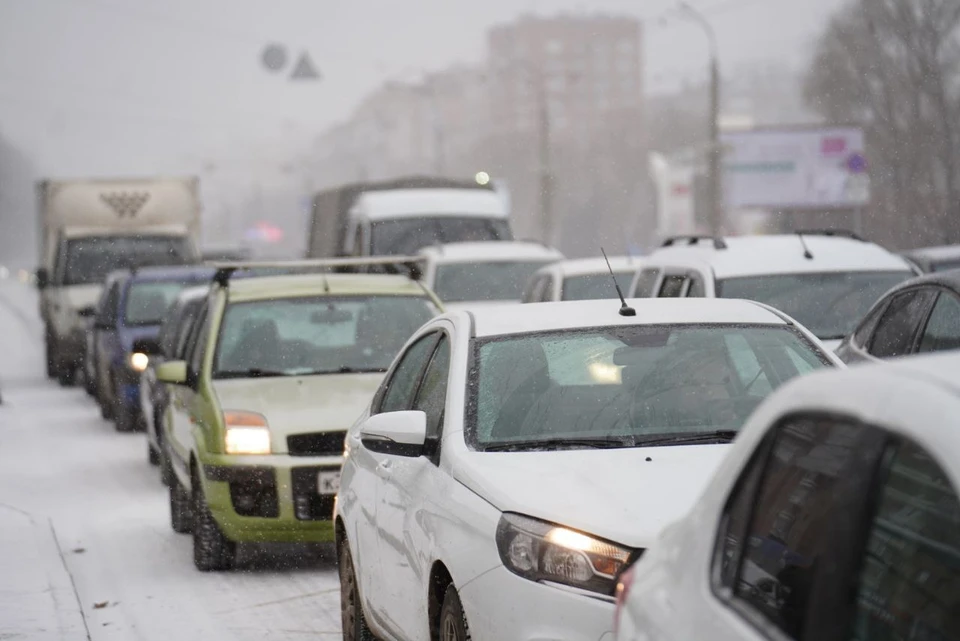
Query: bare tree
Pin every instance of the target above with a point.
(894, 67)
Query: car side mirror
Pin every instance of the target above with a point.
(396, 433)
(43, 278)
(148, 346)
(172, 372)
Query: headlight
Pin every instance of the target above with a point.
(542, 551)
(138, 361)
(247, 433)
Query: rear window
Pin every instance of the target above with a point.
(594, 286)
(148, 302)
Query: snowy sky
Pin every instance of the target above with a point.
(140, 86)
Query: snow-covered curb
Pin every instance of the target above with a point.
(37, 596)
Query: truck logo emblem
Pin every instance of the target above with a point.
(125, 204)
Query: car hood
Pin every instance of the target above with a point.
(300, 404)
(624, 495)
(80, 296)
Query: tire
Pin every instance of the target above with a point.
(66, 374)
(352, 620)
(453, 622)
(153, 456)
(212, 551)
(51, 356)
(181, 514)
(166, 468)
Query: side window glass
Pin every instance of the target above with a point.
(898, 325)
(198, 341)
(432, 396)
(775, 561)
(910, 576)
(533, 290)
(943, 327)
(862, 335)
(672, 286)
(399, 390)
(546, 292)
(108, 314)
(184, 331)
(696, 289)
(645, 283)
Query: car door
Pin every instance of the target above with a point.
(182, 397)
(105, 341)
(406, 487)
(365, 471)
(898, 329)
(782, 550)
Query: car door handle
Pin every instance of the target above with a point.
(383, 469)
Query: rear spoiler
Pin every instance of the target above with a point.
(410, 266)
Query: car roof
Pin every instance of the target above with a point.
(587, 266)
(495, 320)
(940, 252)
(288, 286)
(782, 254)
(949, 278)
(192, 293)
(490, 251)
(173, 272)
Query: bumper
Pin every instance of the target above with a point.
(548, 613)
(275, 498)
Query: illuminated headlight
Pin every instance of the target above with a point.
(542, 551)
(246, 433)
(138, 361)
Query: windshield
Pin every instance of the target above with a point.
(829, 305)
(148, 302)
(458, 282)
(593, 286)
(628, 385)
(89, 260)
(316, 335)
(406, 236)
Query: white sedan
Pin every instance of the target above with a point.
(516, 458)
(835, 516)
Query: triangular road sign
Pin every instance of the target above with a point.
(305, 69)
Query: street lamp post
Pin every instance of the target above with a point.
(714, 182)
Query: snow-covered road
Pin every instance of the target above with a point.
(86, 550)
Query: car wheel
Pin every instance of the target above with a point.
(166, 468)
(51, 354)
(153, 456)
(352, 620)
(181, 516)
(66, 374)
(212, 551)
(453, 622)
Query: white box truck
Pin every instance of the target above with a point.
(88, 228)
(398, 217)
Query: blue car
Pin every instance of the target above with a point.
(125, 331)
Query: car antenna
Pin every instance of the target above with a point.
(806, 250)
(625, 310)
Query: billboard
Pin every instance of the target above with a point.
(795, 168)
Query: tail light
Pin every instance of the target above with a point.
(622, 592)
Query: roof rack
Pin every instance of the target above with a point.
(694, 239)
(839, 233)
(407, 265)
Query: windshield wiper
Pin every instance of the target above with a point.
(715, 436)
(554, 443)
(253, 372)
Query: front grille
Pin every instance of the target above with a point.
(316, 444)
(308, 503)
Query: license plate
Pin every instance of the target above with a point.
(328, 482)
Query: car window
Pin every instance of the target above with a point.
(198, 340)
(862, 336)
(672, 286)
(531, 293)
(108, 312)
(696, 289)
(782, 525)
(897, 327)
(546, 294)
(432, 395)
(645, 283)
(399, 390)
(943, 327)
(909, 582)
(185, 329)
(596, 286)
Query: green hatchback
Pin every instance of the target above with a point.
(276, 369)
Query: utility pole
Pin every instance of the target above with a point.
(546, 177)
(714, 151)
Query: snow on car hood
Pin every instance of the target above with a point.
(624, 495)
(300, 404)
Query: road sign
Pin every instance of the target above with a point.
(274, 57)
(305, 69)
